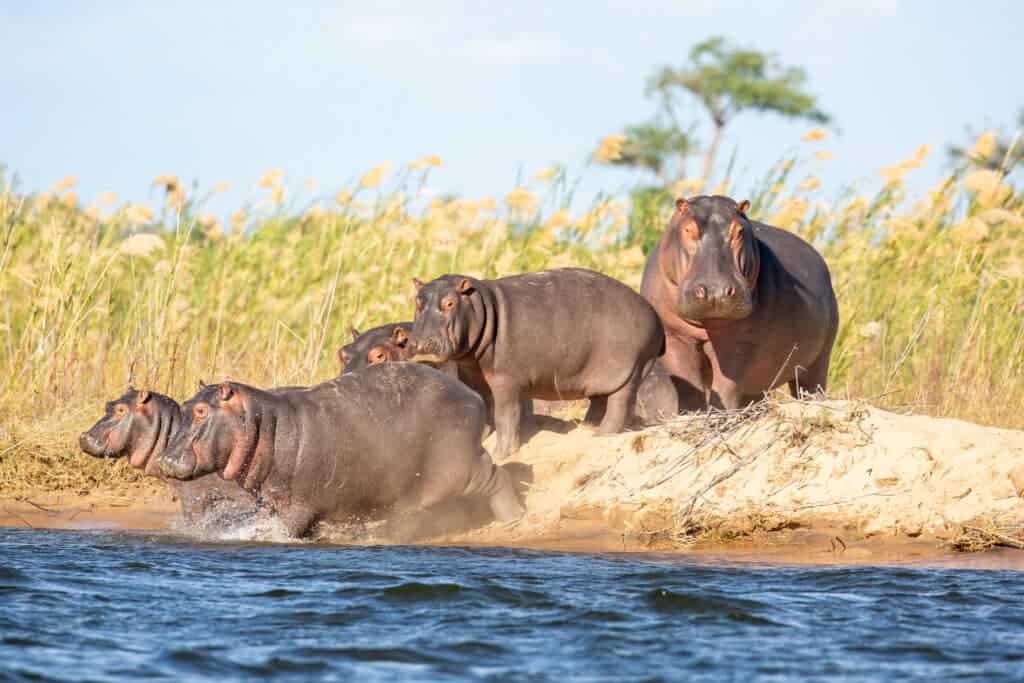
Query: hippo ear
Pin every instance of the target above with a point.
(142, 397)
(681, 205)
(417, 283)
(355, 333)
(400, 336)
(342, 357)
(202, 384)
(465, 286)
(743, 206)
(225, 391)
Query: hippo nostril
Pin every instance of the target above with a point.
(700, 292)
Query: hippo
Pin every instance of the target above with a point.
(746, 307)
(138, 426)
(657, 399)
(390, 343)
(386, 441)
(384, 344)
(558, 334)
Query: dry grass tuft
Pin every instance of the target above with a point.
(986, 536)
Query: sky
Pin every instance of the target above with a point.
(118, 93)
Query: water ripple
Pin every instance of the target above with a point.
(102, 605)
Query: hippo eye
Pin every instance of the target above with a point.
(447, 304)
(201, 411)
(120, 410)
(376, 355)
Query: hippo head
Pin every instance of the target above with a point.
(717, 262)
(384, 344)
(138, 425)
(446, 319)
(214, 437)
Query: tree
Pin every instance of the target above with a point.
(727, 81)
(993, 150)
(653, 146)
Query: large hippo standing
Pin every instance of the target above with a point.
(138, 426)
(746, 307)
(559, 334)
(386, 441)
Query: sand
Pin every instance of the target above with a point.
(793, 481)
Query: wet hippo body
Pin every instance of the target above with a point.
(746, 307)
(388, 440)
(559, 334)
(138, 426)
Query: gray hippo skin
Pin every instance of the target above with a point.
(390, 344)
(657, 400)
(384, 344)
(385, 441)
(138, 426)
(746, 307)
(559, 334)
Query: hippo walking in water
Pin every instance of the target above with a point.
(386, 441)
(138, 426)
(746, 307)
(559, 334)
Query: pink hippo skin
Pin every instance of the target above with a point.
(746, 308)
(138, 426)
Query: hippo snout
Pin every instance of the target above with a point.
(91, 445)
(425, 350)
(177, 467)
(705, 300)
(712, 293)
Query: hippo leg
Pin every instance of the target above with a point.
(596, 410)
(297, 519)
(504, 502)
(620, 406)
(494, 483)
(508, 407)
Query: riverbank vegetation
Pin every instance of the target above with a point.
(94, 296)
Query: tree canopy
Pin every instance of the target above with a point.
(725, 81)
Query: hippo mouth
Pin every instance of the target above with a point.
(183, 467)
(90, 445)
(710, 312)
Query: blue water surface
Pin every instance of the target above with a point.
(101, 605)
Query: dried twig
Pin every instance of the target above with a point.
(997, 538)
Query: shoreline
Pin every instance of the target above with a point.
(811, 546)
(783, 482)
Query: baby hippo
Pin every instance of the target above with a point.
(559, 334)
(138, 426)
(383, 442)
(383, 344)
(390, 344)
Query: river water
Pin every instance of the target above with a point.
(102, 605)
